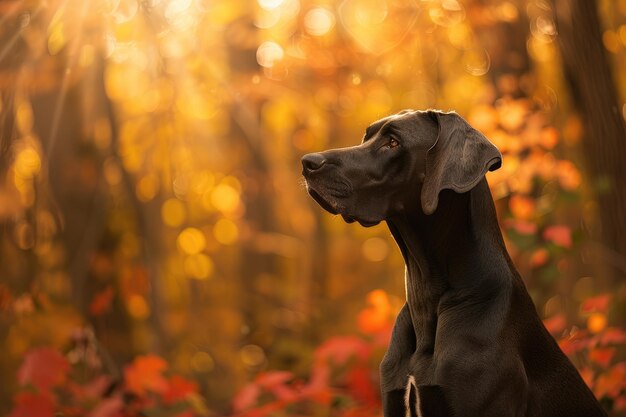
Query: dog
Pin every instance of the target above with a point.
(468, 341)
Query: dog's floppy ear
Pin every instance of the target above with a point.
(457, 160)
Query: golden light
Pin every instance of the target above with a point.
(375, 249)
(176, 7)
(147, 187)
(319, 21)
(226, 232)
(269, 53)
(27, 163)
(270, 4)
(173, 212)
(370, 12)
(225, 198)
(191, 241)
(138, 307)
(198, 266)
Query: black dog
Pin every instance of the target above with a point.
(468, 342)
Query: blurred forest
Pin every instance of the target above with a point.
(159, 255)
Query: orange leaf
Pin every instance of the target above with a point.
(101, 302)
(576, 342)
(598, 303)
(559, 235)
(602, 356)
(178, 389)
(145, 373)
(568, 175)
(43, 368)
(522, 207)
(613, 336)
(612, 382)
(539, 257)
(549, 137)
(376, 316)
(555, 324)
(31, 404)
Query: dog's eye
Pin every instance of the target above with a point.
(393, 143)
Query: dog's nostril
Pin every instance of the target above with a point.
(313, 161)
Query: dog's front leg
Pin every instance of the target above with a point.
(394, 369)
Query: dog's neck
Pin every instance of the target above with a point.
(445, 252)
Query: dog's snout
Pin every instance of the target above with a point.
(312, 162)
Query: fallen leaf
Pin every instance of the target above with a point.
(33, 404)
(144, 374)
(178, 389)
(43, 368)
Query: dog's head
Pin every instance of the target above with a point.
(409, 154)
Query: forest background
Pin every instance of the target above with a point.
(159, 255)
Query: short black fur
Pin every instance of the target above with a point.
(468, 338)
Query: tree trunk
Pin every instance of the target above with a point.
(593, 92)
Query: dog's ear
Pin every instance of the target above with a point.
(457, 160)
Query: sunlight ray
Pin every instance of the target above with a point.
(73, 56)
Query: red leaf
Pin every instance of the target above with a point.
(575, 342)
(101, 302)
(613, 336)
(246, 397)
(598, 303)
(178, 389)
(341, 348)
(521, 226)
(612, 382)
(273, 378)
(43, 368)
(110, 407)
(187, 413)
(31, 404)
(559, 235)
(555, 324)
(146, 374)
(276, 383)
(602, 356)
(361, 386)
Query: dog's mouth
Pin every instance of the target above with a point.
(326, 200)
(364, 223)
(331, 207)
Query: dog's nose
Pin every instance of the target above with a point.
(312, 162)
